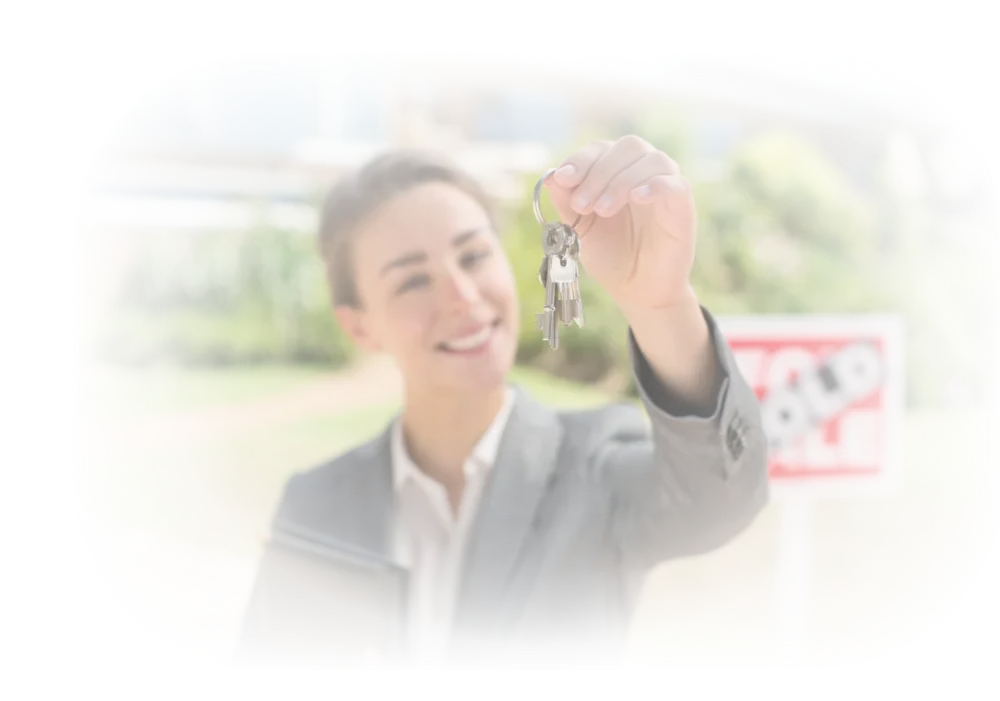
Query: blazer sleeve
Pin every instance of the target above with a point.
(248, 655)
(694, 482)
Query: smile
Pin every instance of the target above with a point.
(470, 342)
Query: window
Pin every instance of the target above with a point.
(716, 135)
(264, 103)
(519, 112)
(161, 119)
(249, 109)
(492, 118)
(363, 99)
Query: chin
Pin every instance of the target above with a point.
(481, 369)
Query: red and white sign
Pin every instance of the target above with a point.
(831, 395)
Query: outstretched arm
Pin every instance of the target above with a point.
(702, 479)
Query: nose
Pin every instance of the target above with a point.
(460, 290)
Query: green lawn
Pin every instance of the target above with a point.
(884, 568)
(221, 490)
(146, 393)
(114, 394)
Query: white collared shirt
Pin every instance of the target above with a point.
(430, 540)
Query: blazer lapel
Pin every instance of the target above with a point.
(525, 461)
(349, 508)
(373, 500)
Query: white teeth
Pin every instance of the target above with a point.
(471, 341)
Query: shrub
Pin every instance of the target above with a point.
(123, 337)
(224, 297)
(666, 124)
(806, 193)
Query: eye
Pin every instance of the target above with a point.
(472, 258)
(413, 282)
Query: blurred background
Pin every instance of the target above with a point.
(212, 368)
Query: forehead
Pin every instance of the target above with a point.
(425, 217)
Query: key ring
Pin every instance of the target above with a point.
(536, 205)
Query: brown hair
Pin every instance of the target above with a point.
(359, 195)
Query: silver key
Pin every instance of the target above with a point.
(547, 321)
(553, 244)
(565, 271)
(558, 274)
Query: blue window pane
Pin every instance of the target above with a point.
(264, 103)
(253, 104)
(425, 90)
(716, 135)
(524, 113)
(492, 119)
(363, 97)
(162, 118)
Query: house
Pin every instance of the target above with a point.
(283, 127)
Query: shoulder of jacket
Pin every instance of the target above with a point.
(618, 421)
(338, 468)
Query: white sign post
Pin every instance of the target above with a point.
(831, 390)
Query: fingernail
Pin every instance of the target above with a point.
(566, 171)
(641, 191)
(580, 202)
(603, 203)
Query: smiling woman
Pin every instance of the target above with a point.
(419, 273)
(508, 527)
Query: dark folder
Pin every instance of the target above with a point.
(317, 603)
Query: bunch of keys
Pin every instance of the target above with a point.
(559, 274)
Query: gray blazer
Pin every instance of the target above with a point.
(579, 506)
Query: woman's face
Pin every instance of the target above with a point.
(436, 291)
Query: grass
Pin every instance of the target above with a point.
(113, 394)
(221, 490)
(148, 393)
(883, 568)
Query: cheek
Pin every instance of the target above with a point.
(408, 320)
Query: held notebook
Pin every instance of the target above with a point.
(318, 603)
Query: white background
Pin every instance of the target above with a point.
(69, 68)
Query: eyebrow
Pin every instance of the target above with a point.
(420, 256)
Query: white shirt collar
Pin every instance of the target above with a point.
(483, 456)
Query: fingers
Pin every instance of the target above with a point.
(653, 185)
(560, 200)
(575, 168)
(373, 660)
(571, 173)
(592, 189)
(603, 177)
(657, 187)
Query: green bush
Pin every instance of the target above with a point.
(180, 271)
(666, 124)
(782, 231)
(187, 336)
(321, 340)
(124, 337)
(902, 225)
(224, 297)
(806, 193)
(193, 338)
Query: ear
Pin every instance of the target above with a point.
(354, 322)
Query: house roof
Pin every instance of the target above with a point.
(821, 96)
(905, 103)
(709, 92)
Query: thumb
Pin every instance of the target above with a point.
(559, 196)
